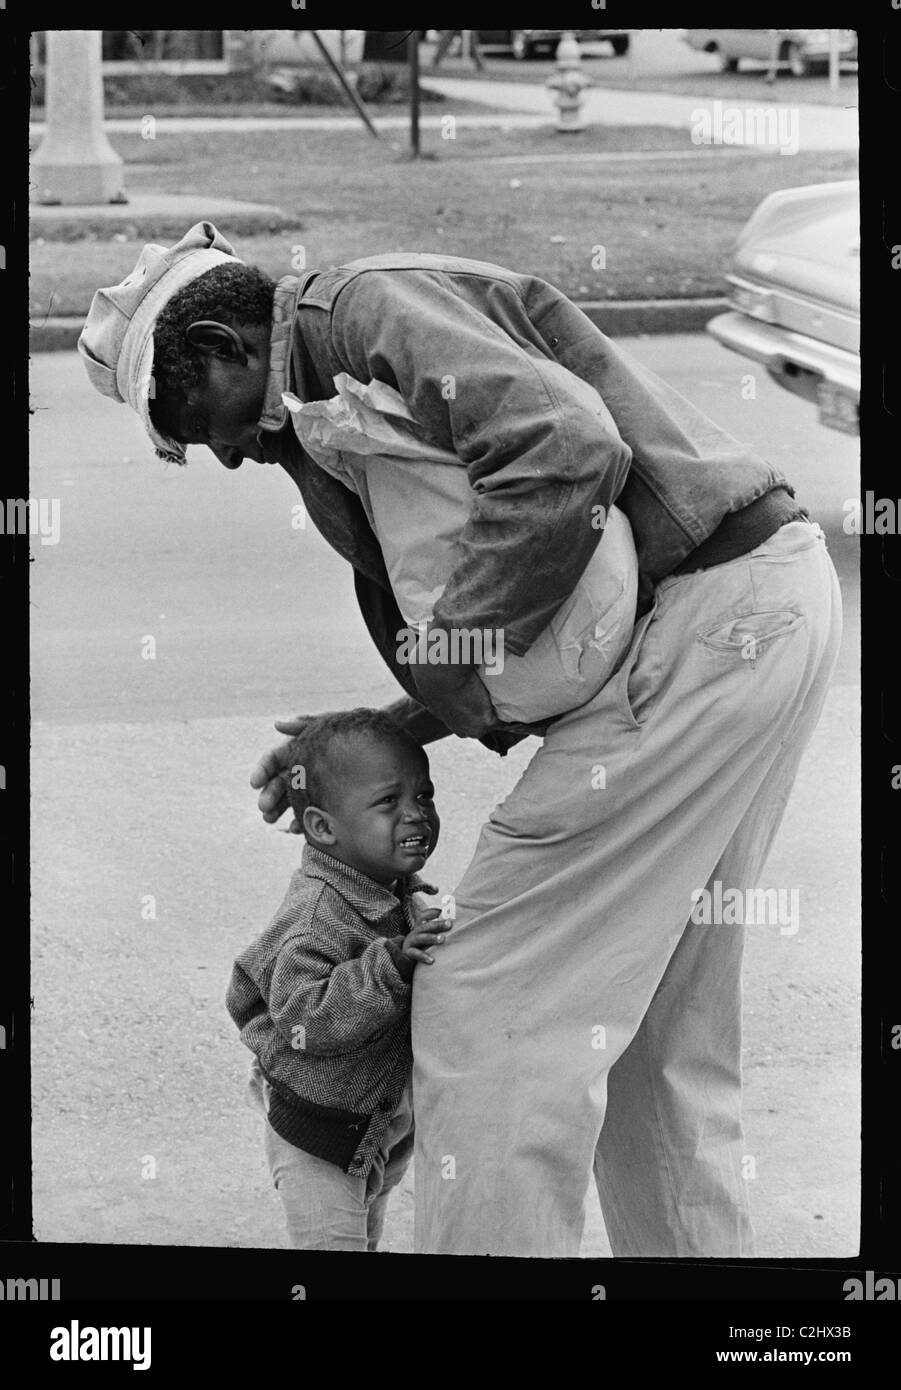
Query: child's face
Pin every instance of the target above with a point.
(384, 820)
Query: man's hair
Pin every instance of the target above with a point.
(317, 770)
(234, 294)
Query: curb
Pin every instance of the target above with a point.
(158, 226)
(616, 318)
(627, 317)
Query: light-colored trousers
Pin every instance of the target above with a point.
(577, 1018)
(324, 1207)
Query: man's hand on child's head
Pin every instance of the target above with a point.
(273, 771)
(429, 930)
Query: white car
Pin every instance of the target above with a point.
(527, 43)
(795, 290)
(799, 50)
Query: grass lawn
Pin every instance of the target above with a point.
(666, 226)
(429, 107)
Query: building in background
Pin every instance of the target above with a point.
(214, 50)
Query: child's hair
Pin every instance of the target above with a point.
(317, 767)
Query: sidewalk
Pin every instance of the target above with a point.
(820, 127)
(198, 125)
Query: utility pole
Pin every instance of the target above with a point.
(833, 60)
(413, 53)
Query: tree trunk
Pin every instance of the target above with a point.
(385, 46)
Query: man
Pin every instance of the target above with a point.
(580, 1018)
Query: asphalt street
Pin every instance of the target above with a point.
(180, 613)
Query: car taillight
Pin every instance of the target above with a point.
(757, 303)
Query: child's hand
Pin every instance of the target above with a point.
(429, 930)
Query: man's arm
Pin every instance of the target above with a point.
(544, 459)
(419, 722)
(454, 696)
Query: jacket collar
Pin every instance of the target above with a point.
(287, 292)
(371, 900)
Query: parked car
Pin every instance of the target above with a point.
(795, 292)
(525, 43)
(799, 50)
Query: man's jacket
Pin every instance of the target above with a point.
(482, 357)
(320, 1001)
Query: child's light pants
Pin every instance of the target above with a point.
(326, 1208)
(577, 1018)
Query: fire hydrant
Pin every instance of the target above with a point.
(568, 83)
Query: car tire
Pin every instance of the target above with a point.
(620, 46)
(728, 64)
(794, 59)
(521, 46)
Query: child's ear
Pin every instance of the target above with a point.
(317, 826)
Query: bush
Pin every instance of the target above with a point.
(389, 83)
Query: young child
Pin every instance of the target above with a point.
(322, 998)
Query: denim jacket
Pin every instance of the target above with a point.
(483, 358)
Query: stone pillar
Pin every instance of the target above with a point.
(76, 164)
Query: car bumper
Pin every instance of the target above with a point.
(790, 356)
(819, 52)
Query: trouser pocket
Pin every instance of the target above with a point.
(634, 688)
(748, 636)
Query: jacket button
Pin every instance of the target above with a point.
(358, 1158)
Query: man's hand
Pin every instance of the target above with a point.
(457, 696)
(453, 694)
(429, 930)
(272, 773)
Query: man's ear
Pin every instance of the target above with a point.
(317, 826)
(217, 340)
